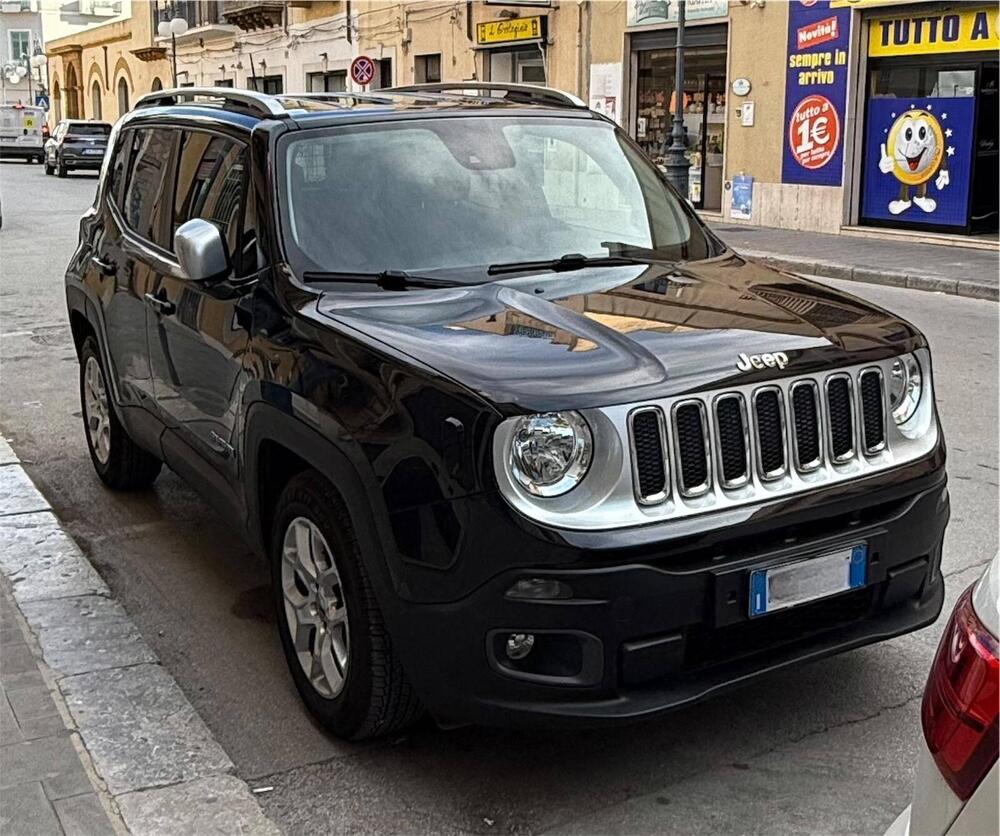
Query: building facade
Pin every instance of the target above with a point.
(273, 47)
(101, 62)
(796, 116)
(794, 111)
(20, 39)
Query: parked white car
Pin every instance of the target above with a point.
(957, 790)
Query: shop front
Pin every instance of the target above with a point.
(513, 49)
(930, 136)
(652, 41)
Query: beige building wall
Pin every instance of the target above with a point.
(757, 49)
(404, 30)
(91, 67)
(566, 53)
(607, 31)
(310, 37)
(411, 28)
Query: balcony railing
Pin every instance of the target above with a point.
(195, 12)
(18, 6)
(253, 14)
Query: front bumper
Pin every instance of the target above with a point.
(638, 638)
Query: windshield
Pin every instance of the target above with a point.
(466, 193)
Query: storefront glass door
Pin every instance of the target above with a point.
(523, 66)
(931, 144)
(704, 115)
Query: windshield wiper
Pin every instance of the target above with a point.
(386, 279)
(627, 250)
(566, 263)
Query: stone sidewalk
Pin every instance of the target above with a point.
(45, 782)
(97, 736)
(962, 271)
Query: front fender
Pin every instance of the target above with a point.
(297, 426)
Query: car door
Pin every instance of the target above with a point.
(128, 252)
(197, 334)
(53, 143)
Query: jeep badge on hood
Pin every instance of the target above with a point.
(746, 362)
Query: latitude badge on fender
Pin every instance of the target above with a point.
(746, 362)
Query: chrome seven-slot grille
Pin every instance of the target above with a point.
(731, 438)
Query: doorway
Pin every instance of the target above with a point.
(521, 65)
(704, 115)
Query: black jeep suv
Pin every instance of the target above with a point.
(523, 441)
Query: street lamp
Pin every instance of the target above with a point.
(13, 72)
(172, 28)
(22, 71)
(37, 61)
(677, 163)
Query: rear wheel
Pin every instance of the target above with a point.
(118, 460)
(339, 653)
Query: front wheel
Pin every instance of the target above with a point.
(61, 169)
(118, 460)
(336, 644)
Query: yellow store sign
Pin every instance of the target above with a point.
(506, 31)
(959, 29)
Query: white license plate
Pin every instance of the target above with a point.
(795, 583)
(94, 151)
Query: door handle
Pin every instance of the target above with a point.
(107, 268)
(219, 444)
(164, 307)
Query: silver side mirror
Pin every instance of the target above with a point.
(200, 250)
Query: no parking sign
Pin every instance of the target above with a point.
(362, 70)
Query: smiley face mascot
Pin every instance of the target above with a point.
(916, 155)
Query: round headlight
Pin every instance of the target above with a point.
(550, 453)
(905, 386)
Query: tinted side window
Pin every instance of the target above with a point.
(116, 174)
(147, 199)
(211, 184)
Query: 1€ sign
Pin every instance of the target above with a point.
(814, 132)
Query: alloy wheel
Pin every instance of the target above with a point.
(97, 414)
(315, 607)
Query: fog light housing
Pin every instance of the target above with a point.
(539, 589)
(519, 645)
(551, 657)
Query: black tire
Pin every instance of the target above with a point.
(61, 169)
(376, 698)
(126, 466)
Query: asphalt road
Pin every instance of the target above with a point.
(827, 748)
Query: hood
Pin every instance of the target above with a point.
(622, 334)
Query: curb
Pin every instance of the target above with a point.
(157, 765)
(914, 281)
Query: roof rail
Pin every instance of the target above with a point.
(523, 93)
(259, 103)
(377, 97)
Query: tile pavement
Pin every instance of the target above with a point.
(96, 737)
(44, 785)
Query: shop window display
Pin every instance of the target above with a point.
(704, 116)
